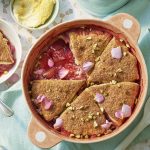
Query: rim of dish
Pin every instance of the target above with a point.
(46, 24)
(14, 68)
(106, 137)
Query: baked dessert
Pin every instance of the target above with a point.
(89, 114)
(85, 118)
(7, 59)
(86, 82)
(120, 69)
(51, 96)
(5, 53)
(88, 45)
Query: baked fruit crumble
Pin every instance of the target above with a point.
(7, 51)
(86, 83)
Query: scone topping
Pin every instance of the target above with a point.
(106, 125)
(95, 124)
(58, 124)
(47, 104)
(50, 62)
(124, 112)
(99, 98)
(116, 52)
(87, 66)
(63, 73)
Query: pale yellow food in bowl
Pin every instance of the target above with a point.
(33, 13)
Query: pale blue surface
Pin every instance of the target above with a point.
(13, 131)
(101, 7)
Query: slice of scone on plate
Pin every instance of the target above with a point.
(117, 100)
(51, 96)
(83, 117)
(116, 63)
(6, 57)
(87, 46)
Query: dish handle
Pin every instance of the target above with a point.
(40, 137)
(127, 23)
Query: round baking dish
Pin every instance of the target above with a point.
(39, 132)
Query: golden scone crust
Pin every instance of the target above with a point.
(108, 68)
(6, 57)
(88, 46)
(58, 91)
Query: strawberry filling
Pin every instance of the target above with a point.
(58, 63)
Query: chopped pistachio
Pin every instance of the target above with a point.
(119, 70)
(87, 119)
(124, 53)
(78, 136)
(94, 117)
(113, 82)
(119, 85)
(101, 91)
(105, 94)
(127, 45)
(98, 135)
(89, 38)
(71, 135)
(81, 107)
(115, 74)
(91, 83)
(98, 113)
(94, 46)
(68, 104)
(82, 119)
(86, 136)
(95, 124)
(71, 108)
(93, 51)
(121, 40)
(102, 109)
(90, 117)
(97, 59)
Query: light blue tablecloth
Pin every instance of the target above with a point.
(13, 131)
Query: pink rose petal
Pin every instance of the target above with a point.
(106, 125)
(39, 99)
(58, 124)
(47, 104)
(99, 98)
(119, 114)
(39, 71)
(116, 52)
(63, 73)
(126, 110)
(50, 62)
(87, 66)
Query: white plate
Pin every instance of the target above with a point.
(13, 37)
